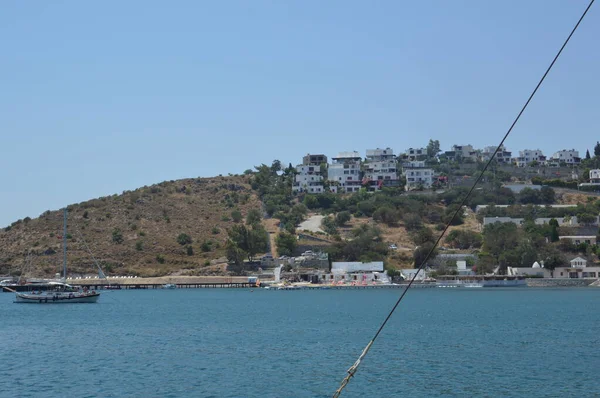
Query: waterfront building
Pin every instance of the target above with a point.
(578, 269)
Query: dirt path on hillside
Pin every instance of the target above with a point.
(272, 227)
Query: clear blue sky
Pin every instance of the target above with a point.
(101, 97)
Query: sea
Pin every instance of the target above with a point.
(487, 342)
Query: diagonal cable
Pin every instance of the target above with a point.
(352, 370)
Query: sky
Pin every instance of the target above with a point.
(101, 97)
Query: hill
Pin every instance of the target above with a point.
(180, 228)
(136, 232)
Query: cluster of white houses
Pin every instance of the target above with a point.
(348, 171)
(525, 158)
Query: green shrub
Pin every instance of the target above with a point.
(184, 239)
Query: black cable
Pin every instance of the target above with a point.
(353, 369)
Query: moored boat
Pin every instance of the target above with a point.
(59, 293)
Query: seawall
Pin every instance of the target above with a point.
(556, 282)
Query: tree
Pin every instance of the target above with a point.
(286, 244)
(421, 252)
(234, 254)
(433, 148)
(236, 215)
(342, 218)
(253, 217)
(387, 215)
(412, 221)
(553, 230)
(547, 195)
(276, 166)
(250, 240)
(184, 239)
(423, 235)
(117, 236)
(597, 150)
(329, 225)
(587, 154)
(586, 218)
(190, 251)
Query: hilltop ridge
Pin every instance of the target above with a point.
(135, 232)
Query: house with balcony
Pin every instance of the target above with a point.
(380, 169)
(344, 173)
(309, 178)
(568, 156)
(528, 156)
(461, 152)
(503, 156)
(594, 180)
(413, 154)
(417, 175)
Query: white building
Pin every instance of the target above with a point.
(594, 179)
(577, 270)
(356, 266)
(568, 156)
(568, 221)
(528, 155)
(503, 155)
(415, 154)
(344, 172)
(309, 178)
(417, 175)
(380, 168)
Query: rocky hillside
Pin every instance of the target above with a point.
(144, 232)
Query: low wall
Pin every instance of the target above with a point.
(555, 282)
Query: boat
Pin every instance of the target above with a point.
(58, 291)
(169, 286)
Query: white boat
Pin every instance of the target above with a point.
(59, 292)
(169, 286)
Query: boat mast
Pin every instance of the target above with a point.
(65, 245)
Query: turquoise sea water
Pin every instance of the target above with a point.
(237, 343)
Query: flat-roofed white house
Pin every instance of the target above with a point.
(417, 174)
(461, 152)
(594, 179)
(380, 169)
(503, 155)
(309, 178)
(529, 155)
(345, 173)
(568, 156)
(412, 154)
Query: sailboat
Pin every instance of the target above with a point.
(59, 291)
